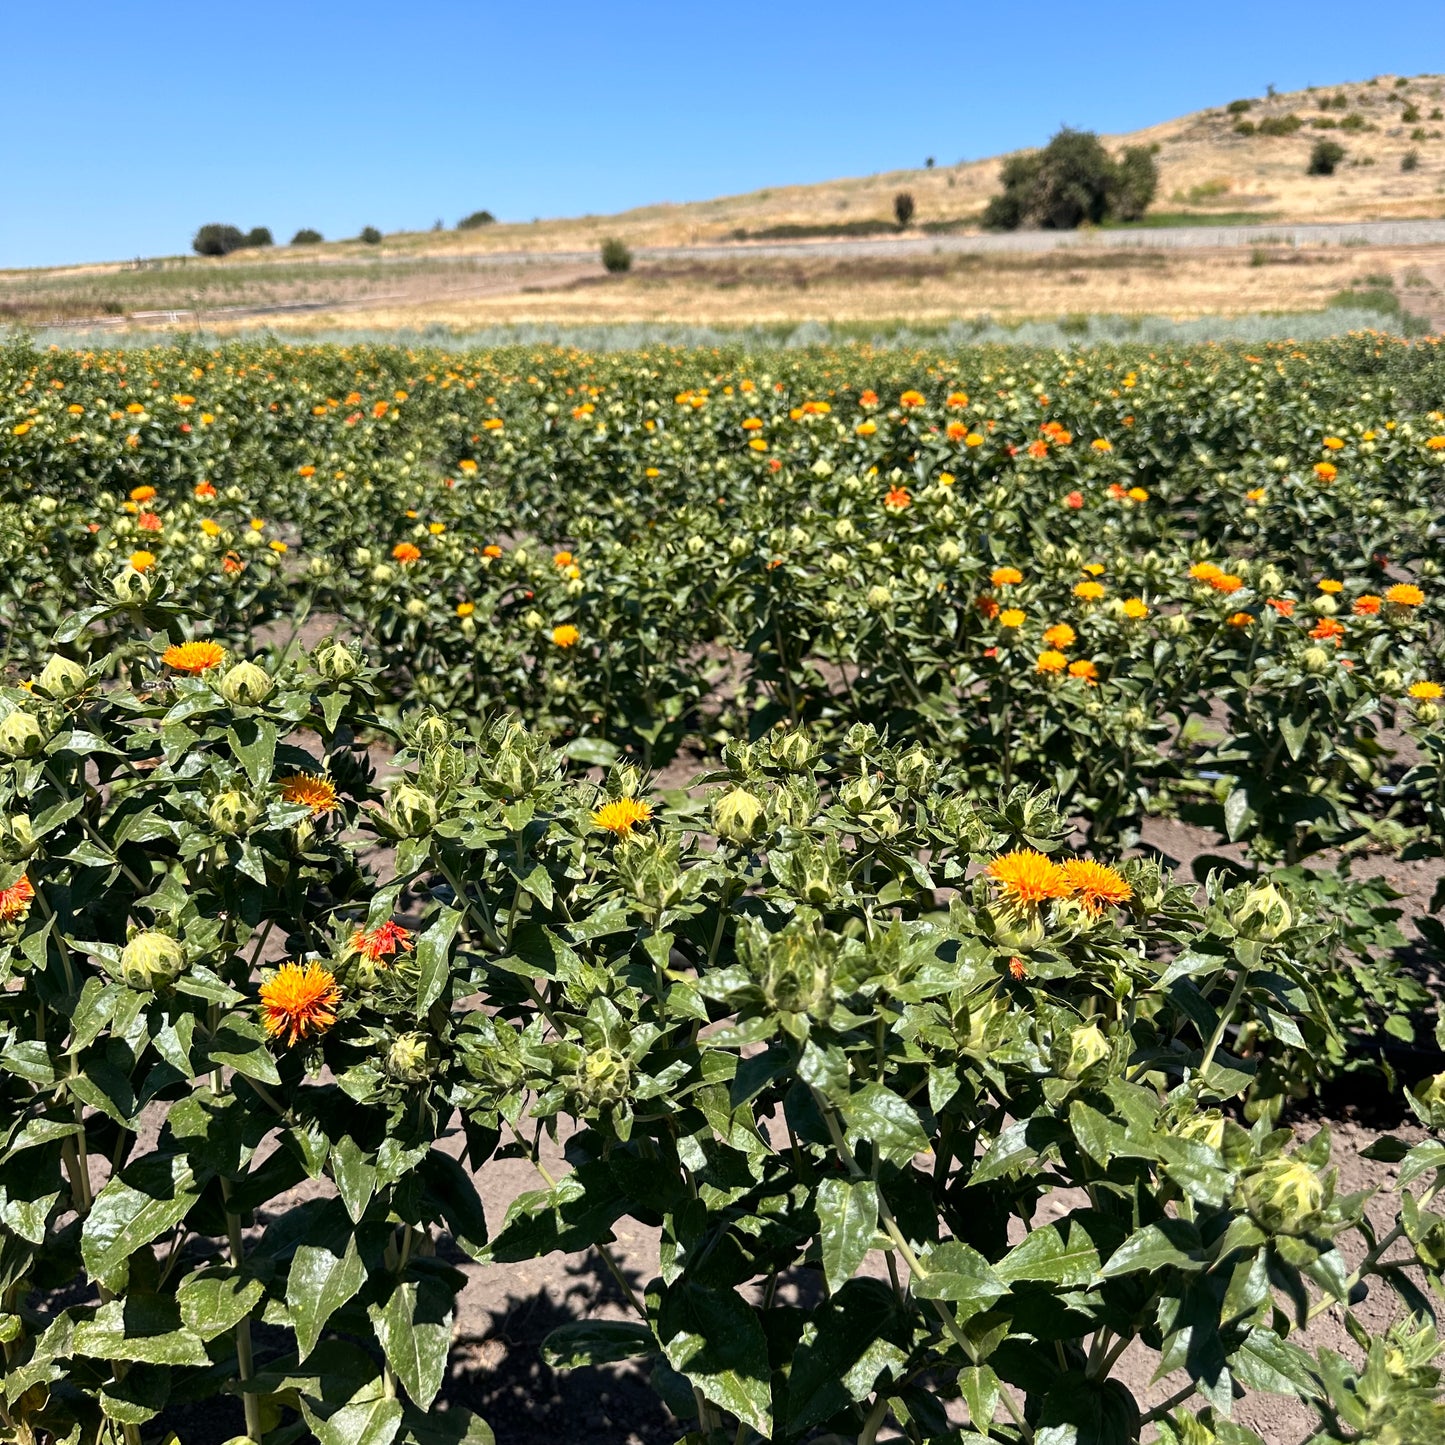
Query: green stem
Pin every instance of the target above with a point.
(1241, 980)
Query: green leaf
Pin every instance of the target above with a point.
(1294, 730)
(1238, 814)
(139, 1397)
(1266, 1362)
(149, 1197)
(454, 1426)
(414, 1326)
(433, 958)
(839, 1338)
(323, 1277)
(596, 1342)
(242, 1043)
(847, 1223)
(368, 1418)
(958, 1273)
(1045, 1257)
(142, 1329)
(714, 1338)
(253, 740)
(878, 1115)
(355, 1176)
(1156, 1246)
(216, 1300)
(1079, 1411)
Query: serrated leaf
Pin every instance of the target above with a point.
(216, 1300)
(847, 1223)
(414, 1325)
(323, 1277)
(147, 1198)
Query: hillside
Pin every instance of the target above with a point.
(1244, 161)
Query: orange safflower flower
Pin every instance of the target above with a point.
(1005, 576)
(866, 428)
(1060, 635)
(956, 431)
(1226, 582)
(1096, 884)
(1283, 605)
(898, 499)
(1011, 617)
(299, 1002)
(562, 559)
(204, 489)
(406, 553)
(16, 899)
(1038, 450)
(566, 635)
(1051, 661)
(383, 942)
(306, 471)
(149, 522)
(317, 793)
(142, 561)
(142, 494)
(1088, 591)
(1085, 671)
(1436, 444)
(1204, 571)
(1027, 878)
(868, 398)
(465, 609)
(1366, 605)
(1329, 586)
(1333, 443)
(1326, 628)
(1239, 619)
(1135, 608)
(988, 607)
(1420, 691)
(1326, 471)
(491, 550)
(1404, 594)
(1102, 444)
(231, 563)
(193, 657)
(912, 398)
(621, 816)
(1016, 969)
(957, 398)
(1074, 501)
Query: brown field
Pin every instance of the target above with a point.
(762, 290)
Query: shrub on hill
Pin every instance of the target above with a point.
(1072, 180)
(616, 255)
(903, 209)
(307, 237)
(1325, 156)
(259, 236)
(476, 220)
(215, 239)
(370, 235)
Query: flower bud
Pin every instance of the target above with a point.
(17, 838)
(860, 738)
(948, 553)
(415, 607)
(860, 795)
(1391, 680)
(431, 732)
(1324, 605)
(738, 816)
(1087, 1047)
(362, 556)
(1316, 660)
(1177, 624)
(334, 660)
(1284, 1196)
(21, 735)
(383, 572)
(1428, 712)
(1207, 1128)
(131, 586)
(152, 961)
(532, 621)
(695, 545)
(1428, 1098)
(412, 1058)
(916, 770)
(412, 811)
(61, 678)
(878, 597)
(232, 813)
(1262, 913)
(603, 1077)
(790, 749)
(245, 684)
(739, 547)
(319, 567)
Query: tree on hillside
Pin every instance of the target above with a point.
(218, 240)
(903, 209)
(1071, 181)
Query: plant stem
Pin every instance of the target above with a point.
(1224, 1018)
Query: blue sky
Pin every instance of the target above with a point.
(128, 125)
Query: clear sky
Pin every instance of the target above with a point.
(130, 123)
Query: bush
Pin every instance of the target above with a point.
(218, 240)
(616, 256)
(903, 209)
(1410, 161)
(1277, 125)
(259, 236)
(1410, 114)
(370, 235)
(1324, 157)
(1244, 127)
(476, 220)
(1354, 122)
(1071, 181)
(307, 237)
(1238, 107)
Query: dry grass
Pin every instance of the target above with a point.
(758, 290)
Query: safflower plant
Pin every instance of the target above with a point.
(833, 1027)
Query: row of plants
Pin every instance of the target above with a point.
(829, 1024)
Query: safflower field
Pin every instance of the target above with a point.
(724, 780)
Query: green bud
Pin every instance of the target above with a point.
(738, 816)
(412, 1058)
(648, 868)
(17, 838)
(1206, 1127)
(131, 586)
(1391, 680)
(1177, 624)
(1316, 660)
(861, 795)
(431, 732)
(1261, 913)
(1284, 1196)
(603, 1077)
(797, 972)
(334, 660)
(948, 553)
(790, 749)
(739, 547)
(152, 961)
(878, 598)
(1324, 605)
(21, 735)
(1087, 1047)
(916, 770)
(232, 813)
(860, 738)
(383, 572)
(415, 607)
(246, 684)
(61, 678)
(412, 811)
